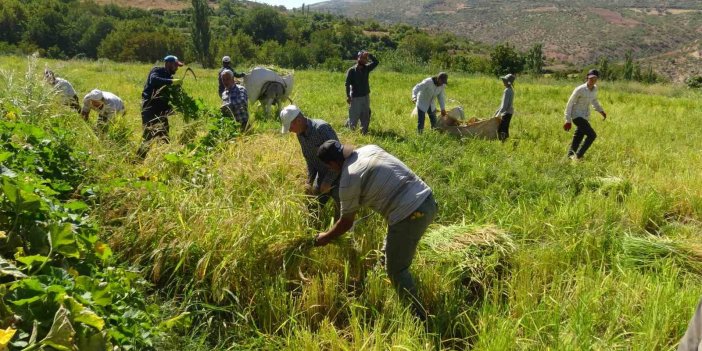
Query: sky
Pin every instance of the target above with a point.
(288, 3)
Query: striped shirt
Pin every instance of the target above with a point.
(371, 177)
(318, 131)
(235, 100)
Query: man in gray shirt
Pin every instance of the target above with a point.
(312, 133)
(371, 177)
(358, 90)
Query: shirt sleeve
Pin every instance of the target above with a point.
(415, 90)
(442, 99)
(570, 105)
(349, 195)
(373, 64)
(328, 133)
(159, 81)
(349, 82)
(596, 103)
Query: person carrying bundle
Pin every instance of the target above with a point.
(155, 104)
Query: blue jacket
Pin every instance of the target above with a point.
(158, 78)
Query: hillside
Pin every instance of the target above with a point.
(604, 28)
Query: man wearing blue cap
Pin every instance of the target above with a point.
(155, 106)
(357, 90)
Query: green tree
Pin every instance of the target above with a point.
(605, 69)
(201, 32)
(535, 59)
(13, 17)
(505, 59)
(419, 45)
(265, 23)
(628, 66)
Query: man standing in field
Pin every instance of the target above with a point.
(64, 88)
(357, 90)
(425, 95)
(155, 106)
(105, 103)
(226, 65)
(578, 112)
(235, 99)
(506, 109)
(371, 177)
(322, 182)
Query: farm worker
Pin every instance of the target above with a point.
(371, 177)
(64, 88)
(424, 95)
(235, 100)
(692, 340)
(226, 65)
(357, 90)
(311, 134)
(578, 112)
(155, 106)
(506, 109)
(105, 103)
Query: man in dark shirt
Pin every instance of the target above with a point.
(312, 133)
(357, 90)
(155, 106)
(226, 65)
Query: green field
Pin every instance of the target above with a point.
(601, 254)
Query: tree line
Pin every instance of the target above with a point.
(249, 33)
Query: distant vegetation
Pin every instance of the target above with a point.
(255, 34)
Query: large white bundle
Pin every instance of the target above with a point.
(259, 76)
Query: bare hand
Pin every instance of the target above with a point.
(414, 99)
(321, 240)
(604, 115)
(348, 100)
(443, 113)
(567, 126)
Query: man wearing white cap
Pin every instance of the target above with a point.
(226, 65)
(312, 133)
(105, 103)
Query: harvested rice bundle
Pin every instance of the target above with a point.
(651, 251)
(478, 255)
(286, 252)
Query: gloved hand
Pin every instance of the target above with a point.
(567, 126)
(177, 82)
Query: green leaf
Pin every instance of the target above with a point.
(180, 321)
(84, 315)
(8, 268)
(30, 261)
(63, 240)
(9, 188)
(61, 334)
(5, 155)
(78, 206)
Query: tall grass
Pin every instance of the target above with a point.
(595, 255)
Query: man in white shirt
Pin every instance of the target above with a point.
(692, 340)
(578, 112)
(105, 103)
(424, 95)
(64, 88)
(371, 177)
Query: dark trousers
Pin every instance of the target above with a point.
(154, 121)
(421, 118)
(583, 130)
(503, 128)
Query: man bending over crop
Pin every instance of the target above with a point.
(105, 103)
(371, 177)
(235, 99)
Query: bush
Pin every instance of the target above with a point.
(694, 82)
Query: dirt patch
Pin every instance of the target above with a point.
(614, 17)
(662, 11)
(696, 54)
(543, 9)
(375, 33)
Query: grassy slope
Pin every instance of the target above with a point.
(213, 231)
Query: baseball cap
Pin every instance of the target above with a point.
(593, 73)
(509, 78)
(443, 76)
(287, 115)
(331, 150)
(226, 59)
(94, 94)
(171, 58)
